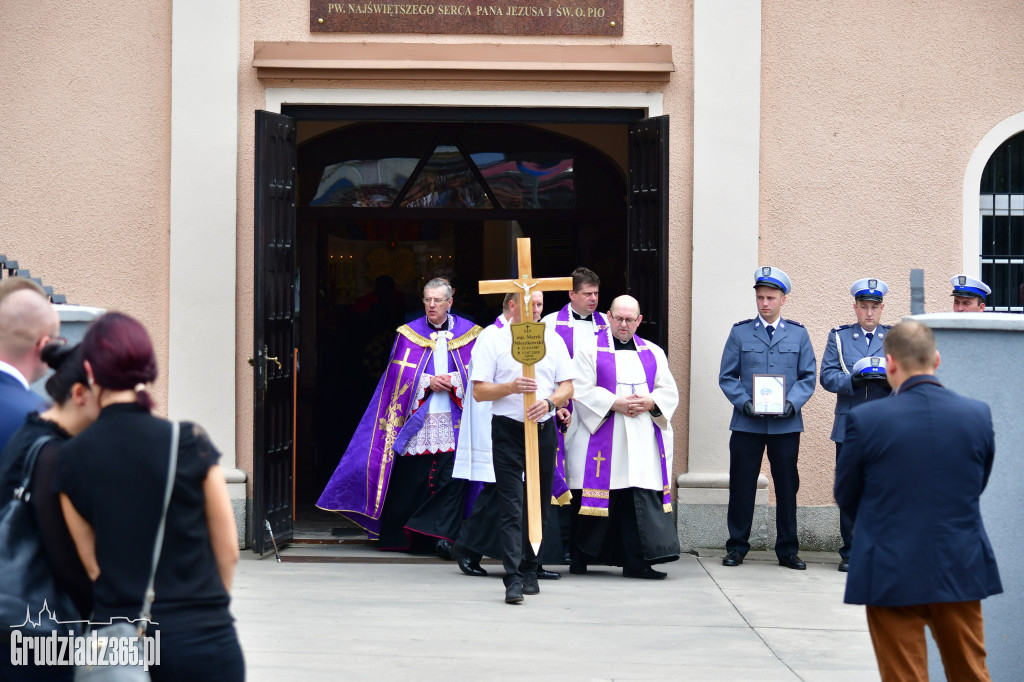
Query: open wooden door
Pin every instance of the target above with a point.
(647, 265)
(275, 312)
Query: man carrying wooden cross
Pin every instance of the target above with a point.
(503, 380)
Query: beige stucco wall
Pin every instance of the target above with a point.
(869, 118)
(84, 171)
(266, 21)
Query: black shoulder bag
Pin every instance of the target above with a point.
(29, 595)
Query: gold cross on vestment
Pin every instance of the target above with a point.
(389, 424)
(599, 459)
(526, 283)
(402, 364)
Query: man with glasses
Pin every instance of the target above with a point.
(621, 462)
(781, 349)
(401, 455)
(28, 321)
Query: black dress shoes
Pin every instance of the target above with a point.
(844, 565)
(547, 575)
(577, 567)
(647, 573)
(443, 547)
(514, 593)
(466, 565)
(733, 558)
(530, 585)
(792, 561)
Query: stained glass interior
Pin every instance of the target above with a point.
(446, 181)
(528, 180)
(363, 182)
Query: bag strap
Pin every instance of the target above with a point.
(29, 467)
(172, 466)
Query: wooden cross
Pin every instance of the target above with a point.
(525, 284)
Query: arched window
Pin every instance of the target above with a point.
(1002, 226)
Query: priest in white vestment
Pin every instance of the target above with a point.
(621, 461)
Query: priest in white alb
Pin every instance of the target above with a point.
(622, 461)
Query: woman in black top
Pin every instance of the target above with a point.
(112, 478)
(74, 408)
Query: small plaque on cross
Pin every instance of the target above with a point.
(528, 342)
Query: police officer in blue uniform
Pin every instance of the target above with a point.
(766, 344)
(855, 382)
(969, 294)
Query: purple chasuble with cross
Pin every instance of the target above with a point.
(597, 478)
(359, 485)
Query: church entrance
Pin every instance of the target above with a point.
(383, 201)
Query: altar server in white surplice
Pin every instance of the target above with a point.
(624, 400)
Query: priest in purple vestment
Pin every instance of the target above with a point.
(401, 454)
(622, 460)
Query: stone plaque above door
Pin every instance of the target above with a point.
(518, 17)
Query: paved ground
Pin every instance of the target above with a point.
(341, 613)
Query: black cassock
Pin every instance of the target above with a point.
(637, 529)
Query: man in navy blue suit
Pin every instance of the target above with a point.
(27, 323)
(771, 345)
(910, 475)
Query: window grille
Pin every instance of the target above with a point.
(1002, 227)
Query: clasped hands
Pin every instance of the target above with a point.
(633, 405)
(441, 383)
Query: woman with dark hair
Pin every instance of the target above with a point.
(74, 408)
(112, 479)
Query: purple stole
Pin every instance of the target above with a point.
(564, 329)
(560, 489)
(596, 478)
(359, 485)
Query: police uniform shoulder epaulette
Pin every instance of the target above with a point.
(743, 322)
(885, 326)
(794, 322)
(842, 326)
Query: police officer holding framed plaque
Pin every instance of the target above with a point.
(776, 354)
